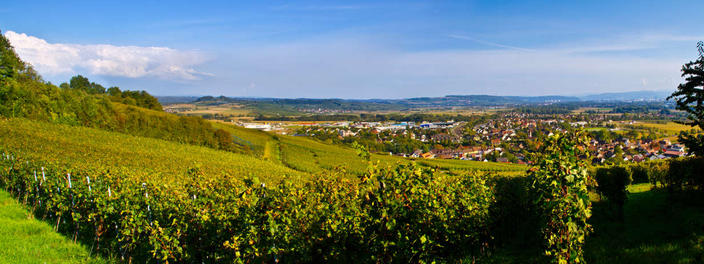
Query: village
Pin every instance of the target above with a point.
(508, 138)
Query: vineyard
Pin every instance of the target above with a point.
(153, 199)
(145, 199)
(469, 165)
(407, 212)
(96, 149)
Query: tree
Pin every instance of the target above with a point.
(79, 82)
(10, 63)
(690, 98)
(115, 91)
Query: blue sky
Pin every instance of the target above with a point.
(359, 49)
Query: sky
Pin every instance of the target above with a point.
(359, 49)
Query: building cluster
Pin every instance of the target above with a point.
(509, 137)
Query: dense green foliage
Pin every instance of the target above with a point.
(395, 214)
(685, 174)
(137, 98)
(612, 183)
(560, 181)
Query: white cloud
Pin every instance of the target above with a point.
(107, 60)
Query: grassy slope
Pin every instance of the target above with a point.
(24, 239)
(255, 140)
(309, 155)
(93, 147)
(654, 230)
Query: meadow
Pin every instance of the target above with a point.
(24, 239)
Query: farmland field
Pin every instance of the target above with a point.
(669, 127)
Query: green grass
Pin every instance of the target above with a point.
(655, 229)
(24, 239)
(254, 139)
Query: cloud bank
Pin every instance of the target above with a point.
(107, 60)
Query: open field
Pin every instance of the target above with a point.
(592, 109)
(310, 155)
(669, 127)
(24, 239)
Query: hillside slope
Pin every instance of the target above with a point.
(313, 156)
(96, 149)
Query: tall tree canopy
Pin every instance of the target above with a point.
(82, 83)
(690, 98)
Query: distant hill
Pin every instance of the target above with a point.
(628, 96)
(176, 99)
(285, 106)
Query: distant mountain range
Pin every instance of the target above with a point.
(419, 102)
(629, 96)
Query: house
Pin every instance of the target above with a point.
(417, 153)
(347, 133)
(676, 147)
(428, 155)
(446, 153)
(502, 160)
(638, 158)
(673, 154)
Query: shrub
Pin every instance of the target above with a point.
(639, 173)
(560, 181)
(685, 174)
(612, 183)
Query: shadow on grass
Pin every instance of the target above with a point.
(655, 229)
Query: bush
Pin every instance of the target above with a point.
(515, 218)
(612, 183)
(685, 174)
(639, 173)
(560, 182)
